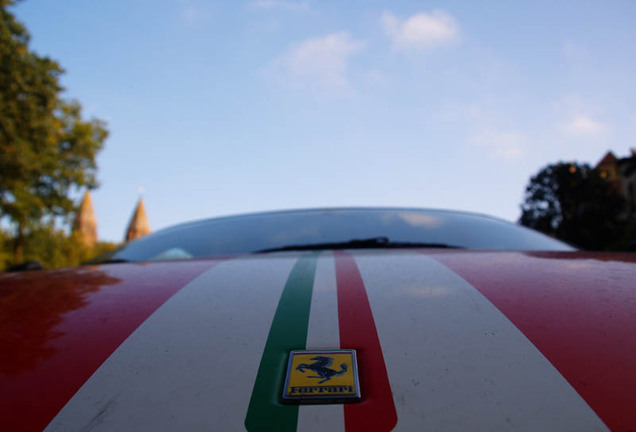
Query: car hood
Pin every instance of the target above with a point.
(446, 340)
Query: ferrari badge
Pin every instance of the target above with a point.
(315, 377)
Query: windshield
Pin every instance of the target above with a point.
(301, 229)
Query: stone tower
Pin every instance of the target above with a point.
(138, 226)
(85, 222)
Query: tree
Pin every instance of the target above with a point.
(5, 254)
(46, 148)
(52, 248)
(574, 203)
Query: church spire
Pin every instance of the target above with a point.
(85, 222)
(138, 226)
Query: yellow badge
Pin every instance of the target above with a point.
(322, 377)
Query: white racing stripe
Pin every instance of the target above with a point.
(323, 333)
(191, 366)
(455, 362)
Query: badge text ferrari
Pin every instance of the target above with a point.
(322, 377)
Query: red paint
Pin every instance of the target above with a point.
(58, 327)
(376, 412)
(578, 309)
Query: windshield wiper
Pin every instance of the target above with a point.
(98, 261)
(370, 243)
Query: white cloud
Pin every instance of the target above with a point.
(582, 121)
(572, 51)
(293, 6)
(321, 61)
(193, 12)
(502, 144)
(376, 77)
(582, 125)
(421, 31)
(490, 130)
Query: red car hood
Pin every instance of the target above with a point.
(445, 341)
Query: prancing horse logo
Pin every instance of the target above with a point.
(321, 368)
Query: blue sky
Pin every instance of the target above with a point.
(224, 107)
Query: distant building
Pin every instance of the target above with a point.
(621, 172)
(138, 226)
(85, 223)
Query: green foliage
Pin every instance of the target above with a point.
(572, 202)
(51, 247)
(46, 148)
(6, 254)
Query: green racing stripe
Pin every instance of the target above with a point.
(288, 332)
